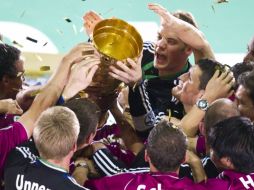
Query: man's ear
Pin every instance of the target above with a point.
(90, 138)
(74, 147)
(147, 158)
(188, 50)
(5, 80)
(226, 162)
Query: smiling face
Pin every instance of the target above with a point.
(244, 102)
(170, 52)
(188, 89)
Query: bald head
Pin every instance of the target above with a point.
(219, 110)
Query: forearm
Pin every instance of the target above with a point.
(196, 166)
(193, 37)
(47, 97)
(128, 133)
(191, 120)
(2, 107)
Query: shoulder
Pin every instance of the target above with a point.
(22, 154)
(108, 182)
(12, 136)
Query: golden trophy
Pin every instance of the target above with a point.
(115, 40)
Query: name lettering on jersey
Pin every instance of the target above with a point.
(22, 184)
(247, 183)
(143, 187)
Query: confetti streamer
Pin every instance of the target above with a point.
(44, 68)
(22, 14)
(59, 32)
(38, 57)
(67, 19)
(222, 1)
(74, 29)
(31, 39)
(81, 29)
(213, 8)
(16, 43)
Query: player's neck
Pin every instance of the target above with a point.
(62, 164)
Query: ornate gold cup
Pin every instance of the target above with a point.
(115, 40)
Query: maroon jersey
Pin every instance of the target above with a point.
(7, 119)
(231, 180)
(10, 137)
(143, 181)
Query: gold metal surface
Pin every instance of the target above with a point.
(117, 39)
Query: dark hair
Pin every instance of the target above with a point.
(185, 16)
(247, 80)
(208, 68)
(240, 68)
(9, 55)
(166, 146)
(219, 110)
(88, 114)
(233, 138)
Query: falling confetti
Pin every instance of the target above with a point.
(38, 57)
(74, 29)
(67, 19)
(59, 32)
(169, 114)
(44, 68)
(83, 94)
(81, 29)
(213, 8)
(222, 1)
(16, 43)
(22, 14)
(45, 44)
(31, 39)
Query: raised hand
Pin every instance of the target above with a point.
(128, 74)
(10, 106)
(90, 19)
(81, 75)
(220, 85)
(166, 17)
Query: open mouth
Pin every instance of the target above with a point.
(160, 57)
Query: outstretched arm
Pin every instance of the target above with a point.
(50, 93)
(185, 32)
(90, 19)
(223, 84)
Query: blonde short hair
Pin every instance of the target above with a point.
(56, 132)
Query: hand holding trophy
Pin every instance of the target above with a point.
(119, 45)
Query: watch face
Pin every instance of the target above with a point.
(202, 104)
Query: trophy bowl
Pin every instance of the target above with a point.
(117, 39)
(114, 40)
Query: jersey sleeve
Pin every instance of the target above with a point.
(140, 107)
(10, 137)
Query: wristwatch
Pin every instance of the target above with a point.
(202, 104)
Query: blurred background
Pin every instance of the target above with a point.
(44, 29)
